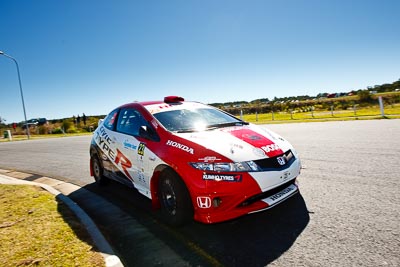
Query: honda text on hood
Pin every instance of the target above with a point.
(194, 161)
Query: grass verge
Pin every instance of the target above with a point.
(38, 230)
(371, 113)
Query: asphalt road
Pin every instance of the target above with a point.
(348, 212)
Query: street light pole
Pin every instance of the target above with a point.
(20, 90)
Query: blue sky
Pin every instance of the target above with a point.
(90, 56)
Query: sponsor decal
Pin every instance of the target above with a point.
(128, 145)
(141, 177)
(154, 123)
(282, 193)
(252, 137)
(223, 177)
(209, 159)
(204, 202)
(237, 146)
(285, 175)
(281, 160)
(103, 140)
(180, 146)
(142, 147)
(271, 148)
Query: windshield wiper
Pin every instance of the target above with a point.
(227, 124)
(187, 131)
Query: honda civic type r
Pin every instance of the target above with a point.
(194, 161)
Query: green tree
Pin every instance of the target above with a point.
(2, 120)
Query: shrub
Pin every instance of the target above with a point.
(66, 125)
(43, 129)
(72, 130)
(57, 131)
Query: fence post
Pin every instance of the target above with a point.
(332, 110)
(381, 106)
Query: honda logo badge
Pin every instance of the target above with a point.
(203, 202)
(281, 160)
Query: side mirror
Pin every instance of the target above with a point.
(148, 133)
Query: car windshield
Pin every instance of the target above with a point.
(198, 119)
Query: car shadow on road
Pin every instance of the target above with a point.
(256, 239)
(253, 240)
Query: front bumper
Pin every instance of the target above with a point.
(256, 192)
(253, 204)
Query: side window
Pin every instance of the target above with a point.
(110, 120)
(129, 121)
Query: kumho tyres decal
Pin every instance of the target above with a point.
(103, 141)
(222, 177)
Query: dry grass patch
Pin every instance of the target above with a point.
(37, 230)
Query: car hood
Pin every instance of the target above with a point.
(240, 143)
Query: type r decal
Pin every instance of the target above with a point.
(104, 143)
(124, 162)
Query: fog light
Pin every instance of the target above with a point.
(217, 202)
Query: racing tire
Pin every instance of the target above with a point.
(175, 201)
(98, 171)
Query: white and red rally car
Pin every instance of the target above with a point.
(193, 160)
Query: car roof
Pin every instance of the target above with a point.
(169, 103)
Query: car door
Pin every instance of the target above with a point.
(131, 149)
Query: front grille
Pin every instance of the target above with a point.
(266, 194)
(275, 163)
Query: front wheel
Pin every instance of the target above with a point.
(176, 205)
(98, 171)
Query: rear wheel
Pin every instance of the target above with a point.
(176, 205)
(98, 171)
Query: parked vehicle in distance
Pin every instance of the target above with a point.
(194, 161)
(34, 122)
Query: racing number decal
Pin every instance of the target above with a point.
(141, 149)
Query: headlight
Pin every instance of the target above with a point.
(246, 166)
